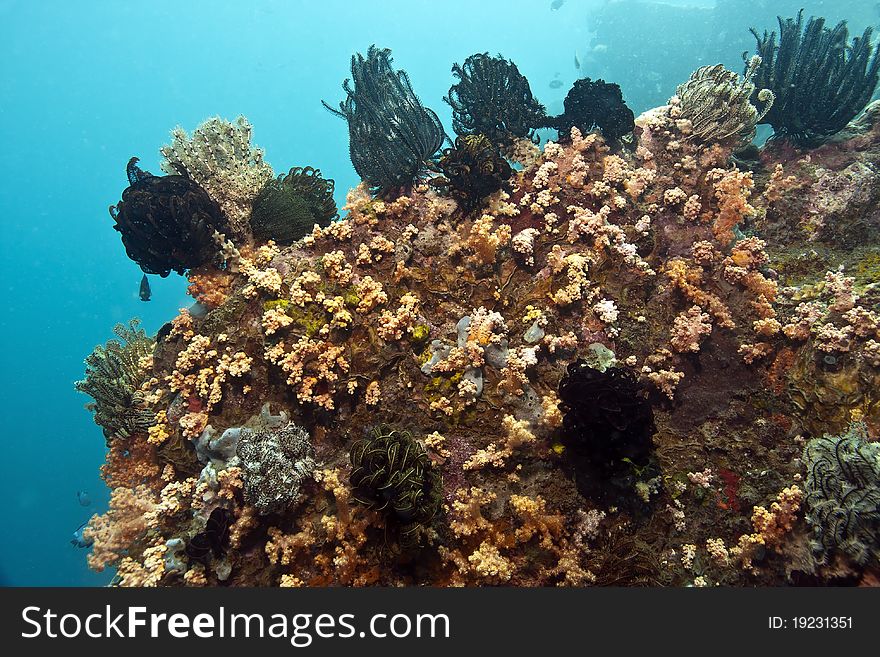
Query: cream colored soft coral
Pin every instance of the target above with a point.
(219, 156)
(770, 526)
(489, 563)
(392, 326)
(517, 433)
(524, 244)
(370, 294)
(484, 241)
(268, 280)
(274, 320)
(466, 518)
(336, 267)
(688, 329)
(536, 521)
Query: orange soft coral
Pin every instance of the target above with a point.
(732, 189)
(116, 532)
(210, 286)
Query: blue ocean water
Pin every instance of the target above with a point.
(85, 86)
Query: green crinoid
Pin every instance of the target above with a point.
(392, 473)
(114, 374)
(289, 206)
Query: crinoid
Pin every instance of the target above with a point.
(493, 98)
(392, 136)
(592, 104)
(472, 170)
(843, 494)
(276, 462)
(821, 82)
(289, 206)
(213, 540)
(167, 223)
(607, 425)
(717, 102)
(392, 473)
(114, 374)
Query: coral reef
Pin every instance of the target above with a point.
(611, 368)
(820, 80)
(391, 135)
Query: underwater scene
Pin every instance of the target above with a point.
(410, 293)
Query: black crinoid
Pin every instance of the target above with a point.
(391, 472)
(493, 98)
(213, 540)
(472, 170)
(607, 427)
(392, 136)
(843, 495)
(595, 104)
(820, 80)
(167, 223)
(289, 206)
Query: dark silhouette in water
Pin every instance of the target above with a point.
(83, 498)
(145, 292)
(595, 104)
(607, 426)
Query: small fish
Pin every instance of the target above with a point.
(577, 61)
(83, 498)
(555, 84)
(79, 540)
(556, 4)
(145, 291)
